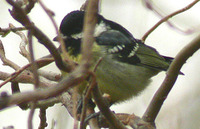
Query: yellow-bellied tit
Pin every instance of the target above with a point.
(127, 64)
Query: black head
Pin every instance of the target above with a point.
(72, 23)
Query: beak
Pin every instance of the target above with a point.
(57, 38)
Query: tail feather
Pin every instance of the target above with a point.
(151, 58)
(170, 59)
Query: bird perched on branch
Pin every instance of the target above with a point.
(127, 64)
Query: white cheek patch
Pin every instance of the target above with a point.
(77, 36)
(101, 27)
(98, 30)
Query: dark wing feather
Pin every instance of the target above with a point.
(151, 58)
(119, 46)
(132, 51)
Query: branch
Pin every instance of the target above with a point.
(23, 43)
(34, 67)
(59, 37)
(86, 108)
(50, 75)
(93, 123)
(84, 5)
(90, 21)
(29, 6)
(104, 108)
(15, 74)
(88, 39)
(5, 60)
(43, 119)
(151, 6)
(6, 31)
(167, 18)
(73, 79)
(172, 74)
(30, 117)
(15, 89)
(25, 77)
(44, 61)
(20, 15)
(67, 101)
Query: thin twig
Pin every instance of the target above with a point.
(9, 127)
(44, 61)
(75, 98)
(6, 31)
(59, 37)
(29, 6)
(34, 65)
(23, 43)
(5, 60)
(43, 119)
(97, 64)
(67, 101)
(19, 71)
(104, 108)
(86, 98)
(83, 110)
(50, 75)
(15, 74)
(20, 15)
(84, 5)
(172, 74)
(47, 103)
(25, 77)
(93, 123)
(15, 89)
(30, 117)
(73, 79)
(168, 17)
(90, 21)
(151, 6)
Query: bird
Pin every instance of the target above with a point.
(127, 64)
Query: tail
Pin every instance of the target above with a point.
(170, 59)
(149, 57)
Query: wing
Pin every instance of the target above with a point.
(151, 58)
(132, 51)
(121, 47)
